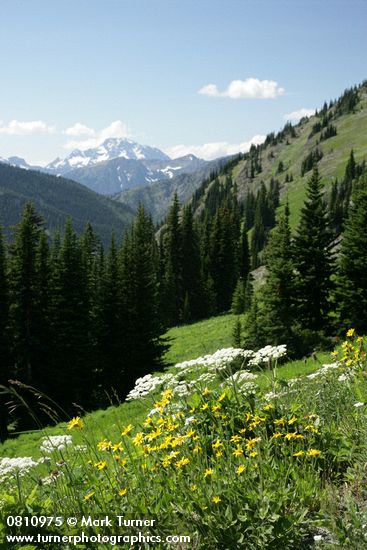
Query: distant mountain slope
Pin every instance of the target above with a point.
(56, 198)
(157, 196)
(282, 155)
(119, 174)
(110, 149)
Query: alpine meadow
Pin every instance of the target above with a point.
(183, 342)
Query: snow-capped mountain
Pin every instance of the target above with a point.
(116, 165)
(111, 148)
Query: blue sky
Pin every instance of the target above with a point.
(74, 72)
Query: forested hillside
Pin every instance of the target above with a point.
(56, 199)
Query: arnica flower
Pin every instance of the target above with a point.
(276, 435)
(250, 443)
(127, 430)
(350, 332)
(299, 453)
(122, 492)
(290, 436)
(238, 451)
(314, 453)
(76, 422)
(253, 454)
(206, 392)
(182, 462)
(240, 469)
(216, 500)
(268, 407)
(89, 496)
(222, 397)
(138, 439)
(194, 488)
(101, 465)
(208, 472)
(235, 438)
(205, 407)
(292, 420)
(217, 445)
(104, 445)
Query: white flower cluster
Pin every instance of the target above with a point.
(323, 370)
(218, 360)
(55, 443)
(146, 384)
(15, 466)
(268, 353)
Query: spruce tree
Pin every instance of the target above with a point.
(172, 289)
(24, 294)
(192, 279)
(277, 295)
(313, 259)
(351, 291)
(145, 347)
(4, 340)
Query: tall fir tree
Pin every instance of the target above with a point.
(24, 294)
(351, 289)
(145, 349)
(313, 260)
(172, 289)
(277, 295)
(4, 340)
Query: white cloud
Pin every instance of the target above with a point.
(79, 129)
(18, 128)
(116, 129)
(251, 88)
(295, 116)
(210, 151)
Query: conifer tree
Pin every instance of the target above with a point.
(4, 339)
(351, 295)
(24, 297)
(192, 279)
(238, 298)
(313, 259)
(277, 295)
(144, 352)
(172, 289)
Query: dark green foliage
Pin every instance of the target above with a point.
(347, 102)
(329, 132)
(238, 298)
(313, 259)
(237, 333)
(145, 348)
(276, 315)
(351, 295)
(311, 160)
(56, 199)
(4, 339)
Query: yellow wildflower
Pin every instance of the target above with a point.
(290, 436)
(190, 433)
(241, 468)
(194, 488)
(299, 453)
(216, 500)
(268, 407)
(117, 447)
(122, 492)
(276, 435)
(218, 454)
(292, 420)
(216, 408)
(253, 454)
(250, 443)
(279, 422)
(89, 496)
(238, 451)
(217, 445)
(208, 472)
(313, 453)
(76, 422)
(206, 392)
(235, 438)
(138, 439)
(222, 397)
(127, 430)
(350, 332)
(101, 465)
(205, 407)
(182, 462)
(197, 449)
(104, 445)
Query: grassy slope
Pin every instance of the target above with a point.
(188, 342)
(351, 134)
